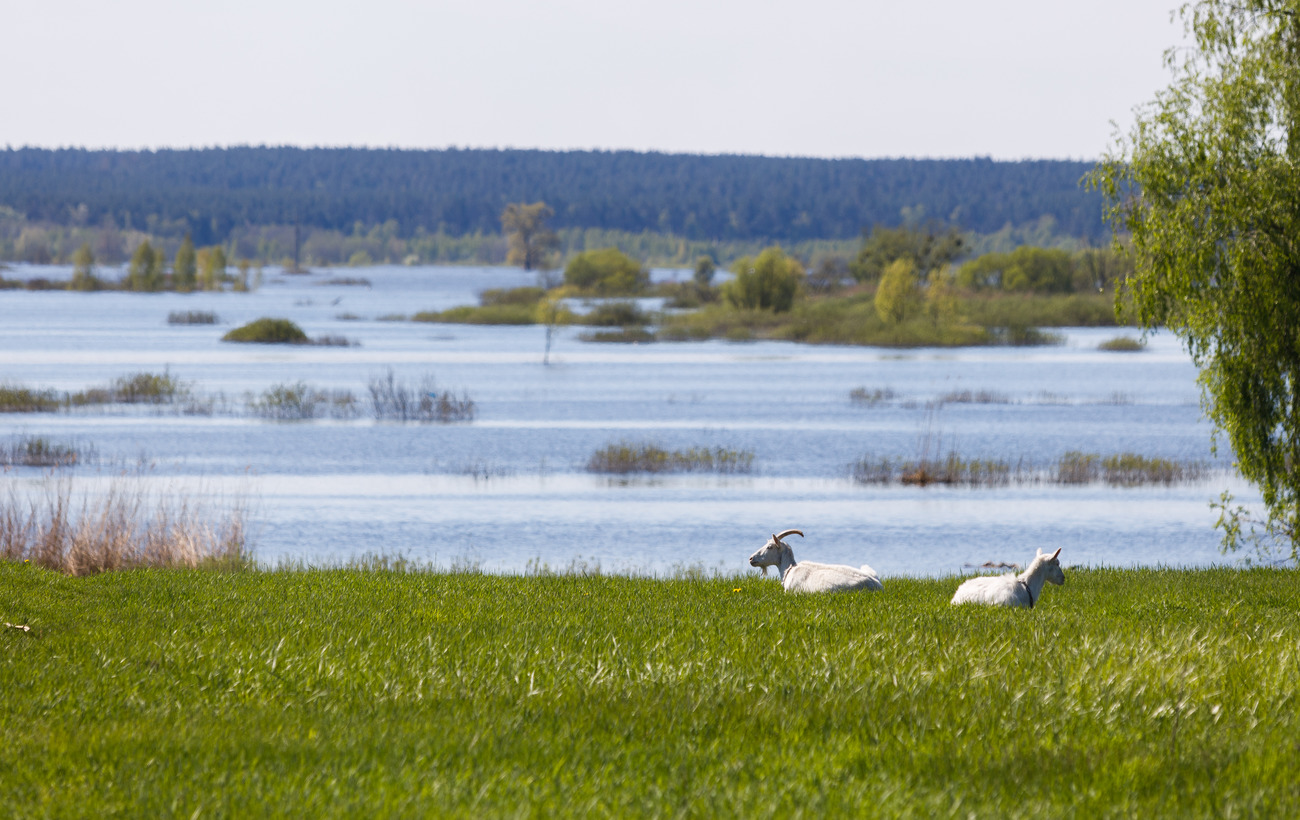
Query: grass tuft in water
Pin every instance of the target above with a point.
(624, 335)
(871, 398)
(1072, 468)
(191, 317)
(626, 457)
(296, 401)
(1123, 344)
(38, 451)
(16, 398)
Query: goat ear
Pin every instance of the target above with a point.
(1038, 550)
(1058, 552)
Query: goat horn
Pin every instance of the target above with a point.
(1058, 552)
(778, 538)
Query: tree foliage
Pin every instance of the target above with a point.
(899, 295)
(83, 269)
(770, 281)
(929, 248)
(146, 269)
(606, 272)
(184, 266)
(211, 267)
(1208, 184)
(531, 243)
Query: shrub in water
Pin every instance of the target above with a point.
(1122, 344)
(35, 451)
(191, 317)
(649, 458)
(268, 331)
(392, 400)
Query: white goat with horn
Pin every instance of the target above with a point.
(1013, 590)
(809, 576)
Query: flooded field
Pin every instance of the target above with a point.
(510, 489)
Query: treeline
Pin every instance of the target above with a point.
(212, 194)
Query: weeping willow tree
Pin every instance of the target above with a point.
(1207, 182)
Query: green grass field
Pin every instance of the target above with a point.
(308, 693)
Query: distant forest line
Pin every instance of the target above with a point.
(25, 241)
(444, 204)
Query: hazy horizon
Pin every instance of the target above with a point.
(1010, 80)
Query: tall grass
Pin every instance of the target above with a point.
(343, 693)
(627, 457)
(124, 527)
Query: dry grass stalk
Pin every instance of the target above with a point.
(123, 528)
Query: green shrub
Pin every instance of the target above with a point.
(268, 331)
(626, 335)
(1122, 344)
(615, 314)
(18, 399)
(511, 296)
(606, 272)
(768, 282)
(498, 314)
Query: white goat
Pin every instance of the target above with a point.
(1013, 590)
(808, 576)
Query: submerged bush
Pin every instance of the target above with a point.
(268, 331)
(1072, 468)
(392, 400)
(1122, 344)
(191, 317)
(37, 451)
(299, 401)
(19, 399)
(870, 398)
(615, 314)
(648, 458)
(626, 335)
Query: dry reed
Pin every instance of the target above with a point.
(124, 527)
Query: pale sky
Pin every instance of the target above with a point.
(1011, 79)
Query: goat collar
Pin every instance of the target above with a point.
(1028, 591)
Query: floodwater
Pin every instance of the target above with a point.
(510, 489)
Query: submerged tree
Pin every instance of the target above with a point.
(212, 267)
(184, 267)
(1208, 184)
(83, 269)
(531, 243)
(146, 269)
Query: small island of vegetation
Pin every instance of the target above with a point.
(907, 286)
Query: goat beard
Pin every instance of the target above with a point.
(764, 568)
